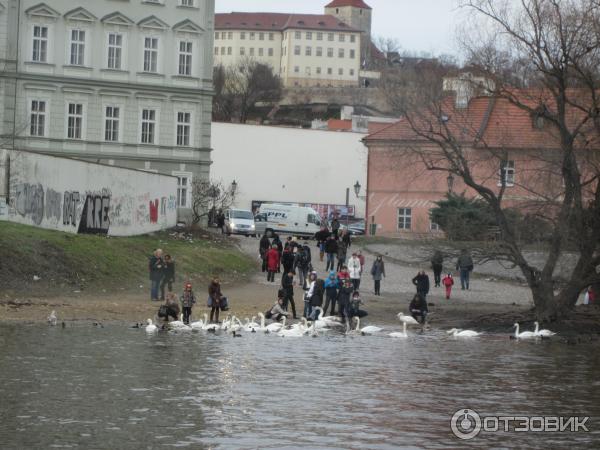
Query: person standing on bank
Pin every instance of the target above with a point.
(421, 281)
(331, 248)
(263, 247)
(215, 297)
(331, 292)
(168, 276)
(354, 269)
(321, 237)
(272, 258)
(156, 269)
(437, 265)
(378, 273)
(287, 259)
(464, 265)
(335, 227)
(301, 264)
(341, 254)
(187, 301)
(287, 285)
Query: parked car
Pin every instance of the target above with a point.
(239, 221)
(357, 228)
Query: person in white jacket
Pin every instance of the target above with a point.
(355, 270)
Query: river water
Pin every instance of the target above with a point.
(116, 388)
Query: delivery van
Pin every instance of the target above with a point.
(294, 220)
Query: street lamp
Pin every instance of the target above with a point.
(233, 187)
(450, 181)
(357, 187)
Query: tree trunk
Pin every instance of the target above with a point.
(550, 307)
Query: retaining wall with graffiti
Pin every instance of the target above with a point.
(81, 197)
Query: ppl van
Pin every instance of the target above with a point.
(295, 220)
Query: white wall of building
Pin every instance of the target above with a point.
(289, 164)
(81, 197)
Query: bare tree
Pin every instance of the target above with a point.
(241, 87)
(555, 48)
(387, 45)
(208, 197)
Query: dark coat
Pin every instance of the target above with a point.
(317, 297)
(169, 270)
(378, 270)
(156, 267)
(263, 246)
(287, 284)
(418, 303)
(322, 235)
(287, 259)
(331, 246)
(301, 261)
(421, 281)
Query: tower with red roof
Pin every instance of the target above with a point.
(357, 14)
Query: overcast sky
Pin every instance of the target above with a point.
(419, 25)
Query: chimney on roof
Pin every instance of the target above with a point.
(466, 86)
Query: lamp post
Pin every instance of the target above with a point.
(357, 187)
(233, 188)
(450, 181)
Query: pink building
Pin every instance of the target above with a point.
(497, 138)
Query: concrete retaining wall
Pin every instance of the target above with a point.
(80, 197)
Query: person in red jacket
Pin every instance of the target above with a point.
(272, 263)
(448, 281)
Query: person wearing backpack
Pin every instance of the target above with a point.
(301, 263)
(465, 265)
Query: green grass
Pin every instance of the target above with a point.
(68, 259)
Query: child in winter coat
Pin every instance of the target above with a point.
(187, 301)
(448, 281)
(272, 263)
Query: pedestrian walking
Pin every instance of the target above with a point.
(332, 285)
(421, 281)
(156, 270)
(272, 258)
(301, 264)
(331, 249)
(187, 302)
(354, 269)
(321, 237)
(448, 282)
(287, 259)
(437, 265)
(335, 228)
(464, 264)
(378, 273)
(287, 285)
(263, 247)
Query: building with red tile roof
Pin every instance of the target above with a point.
(351, 3)
(498, 138)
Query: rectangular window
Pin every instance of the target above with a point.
(216, 50)
(148, 126)
(318, 71)
(341, 52)
(330, 37)
(352, 38)
(183, 186)
(40, 44)
(185, 57)
(74, 120)
(309, 36)
(351, 72)
(352, 54)
(296, 69)
(330, 53)
(217, 36)
(308, 51)
(223, 50)
(242, 35)
(507, 173)
(342, 38)
(251, 51)
(242, 51)
(261, 36)
(261, 51)
(230, 35)
(297, 50)
(111, 123)
(319, 51)
(340, 71)
(184, 124)
(38, 118)
(271, 36)
(308, 71)
(187, 3)
(329, 71)
(270, 52)
(319, 36)
(151, 55)
(252, 35)
(115, 50)
(229, 51)
(77, 47)
(404, 218)
(298, 35)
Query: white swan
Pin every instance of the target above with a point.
(410, 320)
(368, 330)
(542, 333)
(298, 331)
(524, 334)
(197, 325)
(276, 326)
(52, 319)
(462, 333)
(151, 328)
(400, 334)
(262, 326)
(177, 323)
(326, 322)
(209, 326)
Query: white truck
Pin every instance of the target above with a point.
(295, 220)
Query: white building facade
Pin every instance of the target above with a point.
(303, 49)
(124, 83)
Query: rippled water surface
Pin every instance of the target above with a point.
(116, 388)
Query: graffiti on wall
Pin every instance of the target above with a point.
(28, 201)
(3, 209)
(53, 205)
(94, 218)
(70, 204)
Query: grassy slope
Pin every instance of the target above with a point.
(64, 260)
